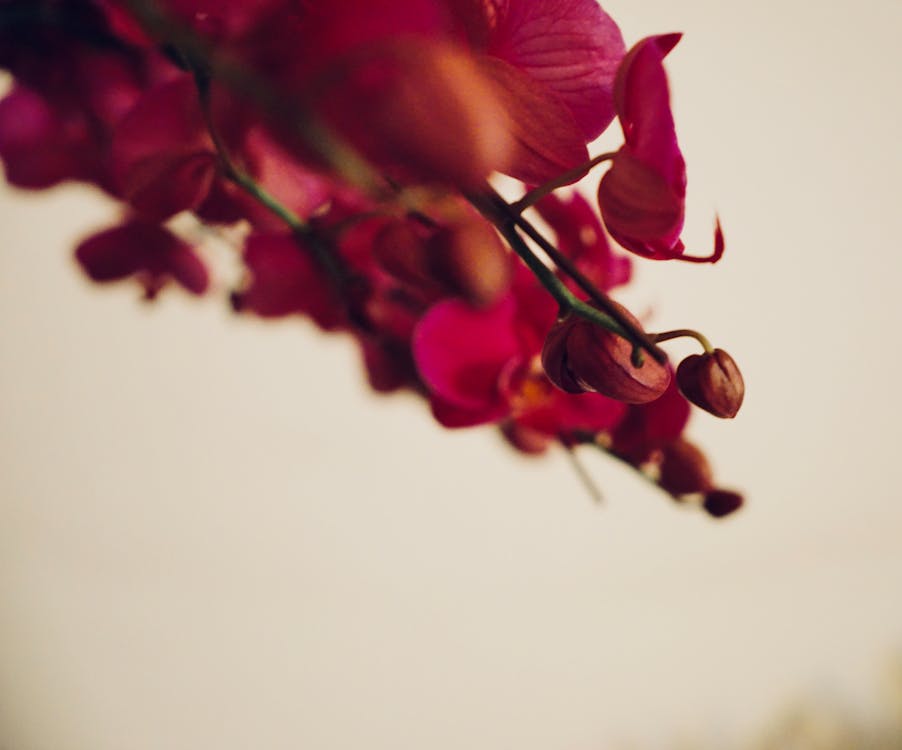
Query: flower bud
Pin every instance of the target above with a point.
(720, 503)
(401, 252)
(580, 355)
(712, 381)
(684, 468)
(470, 259)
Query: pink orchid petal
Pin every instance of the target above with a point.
(572, 47)
(640, 209)
(460, 351)
(581, 237)
(643, 105)
(716, 254)
(547, 138)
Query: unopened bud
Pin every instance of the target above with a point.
(469, 258)
(580, 355)
(400, 251)
(720, 503)
(684, 468)
(712, 381)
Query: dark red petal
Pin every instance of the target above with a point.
(388, 364)
(37, 147)
(451, 415)
(187, 268)
(460, 351)
(109, 255)
(148, 250)
(162, 159)
(566, 413)
(332, 29)
(284, 279)
(571, 47)
(649, 426)
(159, 187)
(548, 140)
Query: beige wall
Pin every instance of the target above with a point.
(212, 536)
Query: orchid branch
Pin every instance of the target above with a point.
(497, 210)
(566, 178)
(308, 239)
(340, 157)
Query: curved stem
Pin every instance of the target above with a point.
(681, 333)
(568, 177)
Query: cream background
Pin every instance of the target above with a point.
(212, 535)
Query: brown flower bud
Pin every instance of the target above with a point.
(720, 503)
(684, 468)
(468, 258)
(712, 381)
(580, 355)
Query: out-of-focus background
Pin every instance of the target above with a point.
(213, 535)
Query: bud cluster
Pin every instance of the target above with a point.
(348, 144)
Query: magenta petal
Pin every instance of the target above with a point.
(547, 138)
(643, 105)
(571, 46)
(460, 351)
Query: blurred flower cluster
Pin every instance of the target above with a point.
(352, 142)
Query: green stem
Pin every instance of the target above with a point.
(568, 301)
(681, 333)
(568, 177)
(502, 213)
(306, 237)
(583, 474)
